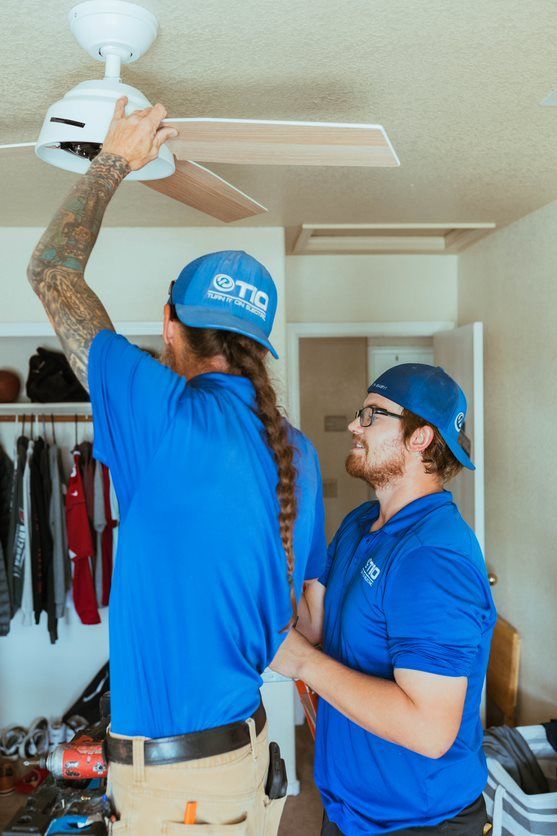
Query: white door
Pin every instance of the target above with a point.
(381, 359)
(460, 353)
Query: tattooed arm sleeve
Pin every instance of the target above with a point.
(57, 266)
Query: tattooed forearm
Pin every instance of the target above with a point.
(56, 269)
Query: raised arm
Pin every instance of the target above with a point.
(57, 266)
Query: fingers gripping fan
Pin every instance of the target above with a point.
(75, 127)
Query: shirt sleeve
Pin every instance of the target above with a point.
(318, 551)
(134, 399)
(324, 576)
(437, 609)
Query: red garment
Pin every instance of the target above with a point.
(81, 547)
(107, 539)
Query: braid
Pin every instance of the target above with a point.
(247, 358)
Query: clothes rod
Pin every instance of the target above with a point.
(45, 416)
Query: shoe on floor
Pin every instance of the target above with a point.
(35, 742)
(11, 739)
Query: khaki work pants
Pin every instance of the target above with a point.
(229, 790)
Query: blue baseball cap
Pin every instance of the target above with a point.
(428, 391)
(230, 291)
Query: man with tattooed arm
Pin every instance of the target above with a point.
(216, 491)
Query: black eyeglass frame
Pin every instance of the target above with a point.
(375, 410)
(170, 289)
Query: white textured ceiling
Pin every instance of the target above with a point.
(456, 84)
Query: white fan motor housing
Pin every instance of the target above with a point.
(83, 117)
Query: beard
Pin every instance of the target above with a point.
(168, 357)
(380, 473)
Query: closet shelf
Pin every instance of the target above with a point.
(45, 329)
(46, 409)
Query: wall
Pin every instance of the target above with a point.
(333, 380)
(371, 288)
(130, 269)
(508, 282)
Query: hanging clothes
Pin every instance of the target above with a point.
(87, 467)
(15, 557)
(25, 531)
(111, 517)
(6, 479)
(99, 524)
(57, 520)
(41, 538)
(81, 546)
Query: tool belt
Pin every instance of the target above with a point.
(187, 747)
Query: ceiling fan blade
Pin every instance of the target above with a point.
(17, 150)
(205, 191)
(248, 141)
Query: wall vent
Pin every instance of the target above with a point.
(387, 239)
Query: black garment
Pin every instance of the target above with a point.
(507, 746)
(41, 538)
(468, 823)
(551, 733)
(15, 553)
(6, 478)
(87, 467)
(88, 704)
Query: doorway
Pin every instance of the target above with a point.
(334, 375)
(459, 350)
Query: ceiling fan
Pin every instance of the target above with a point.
(119, 32)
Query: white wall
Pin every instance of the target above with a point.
(371, 288)
(130, 269)
(509, 282)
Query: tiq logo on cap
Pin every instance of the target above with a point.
(240, 293)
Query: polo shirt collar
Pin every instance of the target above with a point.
(411, 513)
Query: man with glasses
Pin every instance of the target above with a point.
(408, 620)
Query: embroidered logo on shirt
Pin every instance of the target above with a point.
(370, 572)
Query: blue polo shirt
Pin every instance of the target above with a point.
(200, 589)
(413, 594)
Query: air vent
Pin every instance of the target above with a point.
(440, 239)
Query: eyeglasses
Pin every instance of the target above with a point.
(170, 288)
(367, 415)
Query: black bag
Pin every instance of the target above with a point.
(51, 379)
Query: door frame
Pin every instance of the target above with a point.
(295, 331)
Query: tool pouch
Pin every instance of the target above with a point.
(277, 779)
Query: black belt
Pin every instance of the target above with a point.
(187, 747)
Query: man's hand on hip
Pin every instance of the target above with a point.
(292, 655)
(137, 138)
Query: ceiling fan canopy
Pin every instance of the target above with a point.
(118, 32)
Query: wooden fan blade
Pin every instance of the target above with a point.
(248, 141)
(204, 190)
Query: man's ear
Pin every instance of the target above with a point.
(420, 439)
(168, 326)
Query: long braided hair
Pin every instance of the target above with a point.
(247, 358)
